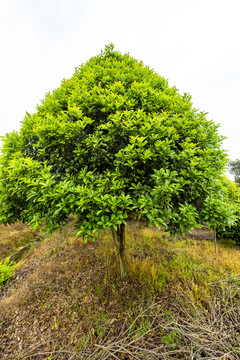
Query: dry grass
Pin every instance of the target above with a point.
(14, 236)
(66, 300)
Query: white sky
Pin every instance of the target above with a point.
(195, 44)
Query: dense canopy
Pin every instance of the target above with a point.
(111, 143)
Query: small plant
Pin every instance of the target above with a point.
(6, 270)
(141, 330)
(172, 339)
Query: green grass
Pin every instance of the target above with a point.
(6, 270)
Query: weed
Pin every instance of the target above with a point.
(6, 270)
(172, 339)
(140, 330)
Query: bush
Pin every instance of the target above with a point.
(233, 194)
(231, 232)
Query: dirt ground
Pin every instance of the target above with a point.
(203, 233)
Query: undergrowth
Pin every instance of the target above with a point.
(12, 237)
(66, 299)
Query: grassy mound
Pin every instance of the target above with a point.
(66, 300)
(12, 237)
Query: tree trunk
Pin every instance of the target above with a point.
(215, 241)
(119, 241)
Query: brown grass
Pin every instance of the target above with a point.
(14, 236)
(66, 300)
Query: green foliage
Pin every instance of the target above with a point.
(172, 339)
(6, 270)
(232, 192)
(231, 189)
(112, 142)
(231, 232)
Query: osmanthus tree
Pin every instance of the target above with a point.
(222, 208)
(111, 143)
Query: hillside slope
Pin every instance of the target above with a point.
(66, 300)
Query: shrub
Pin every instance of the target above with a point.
(232, 192)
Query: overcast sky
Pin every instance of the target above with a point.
(192, 43)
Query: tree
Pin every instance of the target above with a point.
(111, 143)
(220, 209)
(232, 192)
(234, 168)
